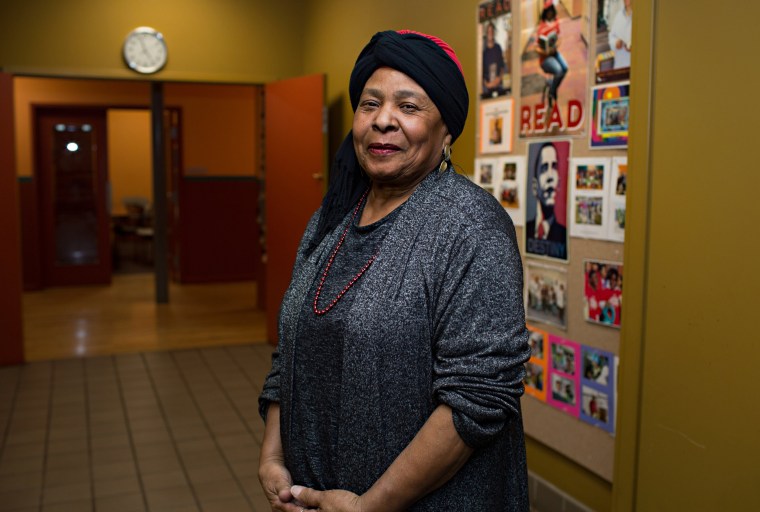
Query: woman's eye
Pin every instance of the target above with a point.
(409, 107)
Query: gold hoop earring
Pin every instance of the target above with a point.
(446, 158)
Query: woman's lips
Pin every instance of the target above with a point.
(382, 149)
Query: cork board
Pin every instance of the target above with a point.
(586, 444)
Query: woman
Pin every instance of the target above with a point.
(547, 47)
(397, 378)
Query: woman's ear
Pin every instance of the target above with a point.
(447, 139)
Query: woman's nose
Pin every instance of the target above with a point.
(385, 119)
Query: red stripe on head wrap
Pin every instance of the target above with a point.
(440, 42)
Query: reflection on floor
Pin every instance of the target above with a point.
(102, 320)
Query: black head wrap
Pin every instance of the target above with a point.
(425, 59)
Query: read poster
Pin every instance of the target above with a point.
(554, 71)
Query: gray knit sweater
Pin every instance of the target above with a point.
(439, 319)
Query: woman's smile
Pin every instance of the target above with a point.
(383, 149)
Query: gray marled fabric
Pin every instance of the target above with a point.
(438, 318)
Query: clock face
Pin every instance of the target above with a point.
(145, 50)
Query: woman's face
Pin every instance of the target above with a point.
(398, 131)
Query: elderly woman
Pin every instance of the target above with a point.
(398, 374)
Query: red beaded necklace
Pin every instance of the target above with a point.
(330, 262)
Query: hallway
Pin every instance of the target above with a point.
(130, 406)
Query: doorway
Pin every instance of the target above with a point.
(71, 164)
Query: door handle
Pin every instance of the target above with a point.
(318, 176)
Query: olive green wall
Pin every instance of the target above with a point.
(221, 40)
(690, 352)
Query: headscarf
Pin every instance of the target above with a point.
(427, 60)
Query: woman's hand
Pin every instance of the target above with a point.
(276, 481)
(327, 501)
(274, 476)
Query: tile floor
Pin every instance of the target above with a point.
(173, 431)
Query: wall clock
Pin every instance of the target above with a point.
(144, 50)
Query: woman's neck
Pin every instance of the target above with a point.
(383, 200)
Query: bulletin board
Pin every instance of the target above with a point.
(570, 221)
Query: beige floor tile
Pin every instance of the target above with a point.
(215, 491)
(121, 503)
(228, 505)
(116, 487)
(113, 470)
(9, 466)
(29, 482)
(19, 498)
(72, 506)
(170, 497)
(204, 474)
(66, 493)
(164, 480)
(67, 476)
(158, 464)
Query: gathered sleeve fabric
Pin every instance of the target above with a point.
(479, 334)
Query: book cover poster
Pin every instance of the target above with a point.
(603, 292)
(618, 183)
(554, 71)
(485, 171)
(496, 120)
(589, 185)
(613, 41)
(546, 199)
(609, 116)
(598, 388)
(546, 294)
(564, 372)
(494, 48)
(511, 191)
(535, 368)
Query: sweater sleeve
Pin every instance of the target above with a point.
(480, 338)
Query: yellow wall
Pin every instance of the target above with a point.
(689, 409)
(337, 30)
(252, 41)
(129, 157)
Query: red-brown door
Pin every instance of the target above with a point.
(11, 324)
(296, 140)
(71, 169)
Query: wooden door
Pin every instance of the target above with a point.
(71, 169)
(296, 141)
